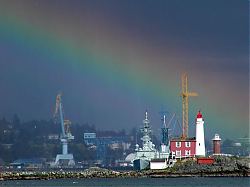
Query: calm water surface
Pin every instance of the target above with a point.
(156, 182)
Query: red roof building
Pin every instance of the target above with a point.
(183, 148)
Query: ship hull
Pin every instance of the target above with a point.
(140, 164)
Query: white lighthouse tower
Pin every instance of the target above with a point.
(200, 140)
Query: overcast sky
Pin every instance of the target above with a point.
(112, 60)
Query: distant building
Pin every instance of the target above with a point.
(53, 137)
(89, 135)
(115, 146)
(28, 163)
(183, 148)
(125, 145)
(103, 144)
(89, 138)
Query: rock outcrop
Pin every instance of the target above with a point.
(223, 166)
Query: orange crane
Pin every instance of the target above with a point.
(185, 95)
(59, 115)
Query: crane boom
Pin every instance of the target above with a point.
(59, 113)
(185, 95)
(62, 120)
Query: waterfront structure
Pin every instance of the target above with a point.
(200, 140)
(216, 144)
(183, 148)
(160, 163)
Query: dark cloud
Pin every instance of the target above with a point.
(208, 38)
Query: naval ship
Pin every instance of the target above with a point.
(144, 155)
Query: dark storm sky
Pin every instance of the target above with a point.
(114, 59)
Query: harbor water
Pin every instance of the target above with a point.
(138, 182)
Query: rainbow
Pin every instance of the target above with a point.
(108, 65)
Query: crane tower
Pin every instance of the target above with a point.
(65, 158)
(185, 95)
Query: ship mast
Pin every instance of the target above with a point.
(164, 130)
(146, 130)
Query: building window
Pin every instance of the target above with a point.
(178, 153)
(187, 153)
(178, 144)
(188, 144)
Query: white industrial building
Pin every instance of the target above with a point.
(160, 163)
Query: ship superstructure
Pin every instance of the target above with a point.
(147, 152)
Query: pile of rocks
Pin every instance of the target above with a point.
(223, 166)
(88, 173)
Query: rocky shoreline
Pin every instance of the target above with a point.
(223, 167)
